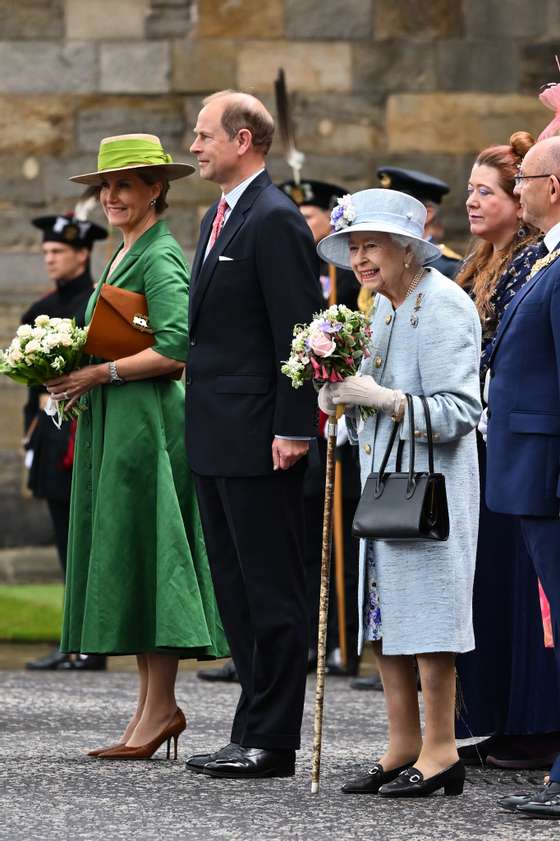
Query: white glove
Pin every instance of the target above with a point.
(325, 400)
(364, 391)
(341, 432)
(483, 424)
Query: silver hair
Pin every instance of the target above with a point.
(415, 246)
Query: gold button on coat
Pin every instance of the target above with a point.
(367, 448)
(378, 362)
(388, 319)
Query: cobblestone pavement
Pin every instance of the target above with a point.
(50, 791)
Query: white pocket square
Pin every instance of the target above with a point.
(222, 258)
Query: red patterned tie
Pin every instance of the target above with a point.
(218, 223)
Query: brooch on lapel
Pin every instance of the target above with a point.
(543, 262)
(417, 307)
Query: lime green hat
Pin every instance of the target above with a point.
(133, 151)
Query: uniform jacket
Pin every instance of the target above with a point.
(50, 474)
(259, 279)
(523, 458)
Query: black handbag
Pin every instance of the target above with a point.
(404, 506)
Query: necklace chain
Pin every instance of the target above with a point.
(415, 281)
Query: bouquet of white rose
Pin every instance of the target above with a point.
(53, 346)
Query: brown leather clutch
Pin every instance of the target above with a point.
(120, 325)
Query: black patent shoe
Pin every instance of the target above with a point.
(512, 801)
(85, 663)
(411, 782)
(223, 674)
(52, 661)
(543, 804)
(252, 763)
(199, 761)
(371, 782)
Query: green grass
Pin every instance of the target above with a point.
(30, 612)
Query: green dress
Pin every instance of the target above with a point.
(138, 578)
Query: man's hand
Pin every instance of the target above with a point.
(286, 451)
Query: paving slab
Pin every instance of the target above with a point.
(51, 791)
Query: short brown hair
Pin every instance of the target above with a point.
(243, 112)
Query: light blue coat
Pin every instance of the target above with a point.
(430, 345)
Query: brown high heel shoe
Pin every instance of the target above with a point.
(97, 751)
(171, 731)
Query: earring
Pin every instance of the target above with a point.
(152, 203)
(407, 265)
(522, 232)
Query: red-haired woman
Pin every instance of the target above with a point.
(505, 680)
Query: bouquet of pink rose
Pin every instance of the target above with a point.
(330, 348)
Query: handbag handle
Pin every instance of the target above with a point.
(411, 484)
(396, 424)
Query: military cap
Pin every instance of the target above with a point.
(422, 186)
(69, 231)
(317, 193)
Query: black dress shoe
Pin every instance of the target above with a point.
(85, 663)
(367, 684)
(52, 661)
(371, 782)
(252, 763)
(512, 801)
(226, 673)
(476, 753)
(198, 761)
(411, 782)
(544, 804)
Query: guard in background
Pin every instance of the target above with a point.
(67, 245)
(430, 191)
(315, 200)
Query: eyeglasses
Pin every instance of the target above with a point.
(519, 178)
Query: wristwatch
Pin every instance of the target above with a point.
(114, 375)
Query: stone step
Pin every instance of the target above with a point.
(30, 565)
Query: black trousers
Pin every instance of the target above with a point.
(254, 536)
(59, 510)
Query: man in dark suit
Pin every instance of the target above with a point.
(523, 416)
(254, 276)
(67, 245)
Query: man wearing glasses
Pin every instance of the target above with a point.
(523, 465)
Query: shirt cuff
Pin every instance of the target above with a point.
(293, 437)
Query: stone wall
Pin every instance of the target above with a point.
(419, 83)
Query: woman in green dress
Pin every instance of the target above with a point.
(138, 580)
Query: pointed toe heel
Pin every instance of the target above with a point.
(172, 731)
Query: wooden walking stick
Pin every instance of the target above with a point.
(338, 524)
(324, 600)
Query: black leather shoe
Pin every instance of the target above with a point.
(512, 801)
(198, 761)
(544, 804)
(252, 763)
(371, 782)
(411, 783)
(372, 683)
(54, 660)
(226, 673)
(85, 663)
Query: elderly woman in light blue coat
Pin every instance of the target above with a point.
(415, 596)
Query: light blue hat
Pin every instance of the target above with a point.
(382, 210)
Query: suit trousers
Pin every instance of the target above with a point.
(254, 531)
(542, 539)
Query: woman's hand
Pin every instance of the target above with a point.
(70, 387)
(364, 391)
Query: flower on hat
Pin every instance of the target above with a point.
(343, 214)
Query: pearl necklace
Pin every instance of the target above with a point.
(415, 281)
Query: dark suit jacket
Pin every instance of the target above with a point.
(523, 465)
(241, 316)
